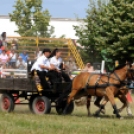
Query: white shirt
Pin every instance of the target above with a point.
(56, 62)
(3, 58)
(21, 64)
(42, 60)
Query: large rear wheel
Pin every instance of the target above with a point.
(7, 103)
(60, 108)
(41, 105)
(31, 101)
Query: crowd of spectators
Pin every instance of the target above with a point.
(9, 57)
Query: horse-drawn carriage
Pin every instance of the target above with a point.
(16, 87)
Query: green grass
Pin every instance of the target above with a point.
(22, 121)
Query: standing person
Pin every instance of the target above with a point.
(42, 67)
(56, 61)
(37, 54)
(3, 40)
(14, 45)
(89, 67)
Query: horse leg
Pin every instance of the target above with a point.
(101, 107)
(88, 104)
(110, 96)
(123, 99)
(128, 109)
(97, 103)
(69, 99)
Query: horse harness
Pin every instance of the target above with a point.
(106, 84)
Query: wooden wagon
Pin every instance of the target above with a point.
(18, 85)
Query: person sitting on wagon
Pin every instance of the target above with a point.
(56, 61)
(42, 67)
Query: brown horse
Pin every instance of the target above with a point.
(86, 84)
(121, 95)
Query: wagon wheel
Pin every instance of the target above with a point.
(60, 108)
(31, 101)
(7, 102)
(41, 105)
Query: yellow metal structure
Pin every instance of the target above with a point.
(32, 43)
(75, 53)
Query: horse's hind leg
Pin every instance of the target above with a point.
(128, 109)
(70, 98)
(97, 103)
(110, 96)
(88, 104)
(123, 99)
(102, 107)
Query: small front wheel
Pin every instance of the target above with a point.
(7, 103)
(41, 105)
(61, 108)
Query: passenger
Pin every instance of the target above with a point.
(56, 61)
(42, 67)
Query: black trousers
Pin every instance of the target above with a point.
(42, 78)
(65, 76)
(54, 77)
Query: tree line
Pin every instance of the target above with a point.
(106, 33)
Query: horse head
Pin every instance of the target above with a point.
(130, 71)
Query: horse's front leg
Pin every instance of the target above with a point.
(88, 104)
(110, 96)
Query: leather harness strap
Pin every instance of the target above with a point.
(96, 83)
(103, 85)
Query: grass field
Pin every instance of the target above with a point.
(22, 121)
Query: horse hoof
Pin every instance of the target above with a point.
(118, 116)
(114, 112)
(121, 118)
(96, 115)
(130, 115)
(103, 111)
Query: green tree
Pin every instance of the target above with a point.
(113, 33)
(30, 18)
(117, 30)
(87, 33)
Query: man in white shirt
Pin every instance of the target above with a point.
(42, 67)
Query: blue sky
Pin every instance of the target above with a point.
(57, 8)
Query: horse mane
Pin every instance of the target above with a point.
(119, 67)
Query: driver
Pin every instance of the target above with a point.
(42, 67)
